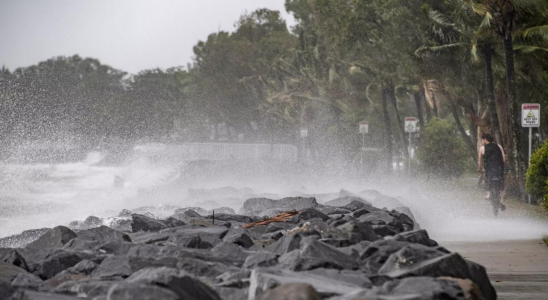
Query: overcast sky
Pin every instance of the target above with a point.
(130, 35)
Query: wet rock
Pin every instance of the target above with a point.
(8, 272)
(30, 281)
(13, 257)
(47, 264)
(417, 236)
(125, 213)
(329, 210)
(355, 250)
(223, 210)
(242, 240)
(230, 217)
(407, 256)
(183, 285)
(92, 222)
(91, 238)
(22, 239)
(357, 278)
(308, 214)
(230, 250)
(122, 225)
(385, 230)
(383, 218)
(144, 223)
(88, 287)
(33, 295)
(376, 254)
(193, 212)
(291, 291)
(232, 293)
(78, 271)
(286, 244)
(259, 206)
(261, 259)
(212, 234)
(355, 205)
(263, 279)
(315, 254)
(54, 238)
(452, 265)
(113, 267)
(356, 232)
(390, 203)
(414, 288)
(136, 291)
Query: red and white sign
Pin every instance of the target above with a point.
(410, 124)
(530, 115)
(364, 127)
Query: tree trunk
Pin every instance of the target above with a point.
(467, 140)
(417, 97)
(401, 122)
(490, 88)
(387, 130)
(519, 162)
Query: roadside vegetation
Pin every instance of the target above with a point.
(468, 62)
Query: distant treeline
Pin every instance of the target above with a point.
(343, 62)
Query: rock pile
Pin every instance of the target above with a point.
(343, 250)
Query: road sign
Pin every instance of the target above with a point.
(304, 132)
(530, 115)
(364, 127)
(410, 124)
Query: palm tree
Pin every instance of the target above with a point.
(502, 16)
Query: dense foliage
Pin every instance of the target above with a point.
(442, 153)
(537, 174)
(343, 62)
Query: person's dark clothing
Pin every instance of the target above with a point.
(494, 165)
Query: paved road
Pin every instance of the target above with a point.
(518, 269)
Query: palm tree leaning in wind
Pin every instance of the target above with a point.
(503, 16)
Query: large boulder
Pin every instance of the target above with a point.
(8, 272)
(92, 238)
(53, 238)
(416, 236)
(262, 279)
(355, 232)
(140, 291)
(375, 255)
(144, 223)
(291, 291)
(452, 265)
(315, 254)
(343, 201)
(22, 239)
(183, 285)
(184, 234)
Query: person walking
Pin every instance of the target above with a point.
(491, 160)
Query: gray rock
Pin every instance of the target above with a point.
(232, 293)
(376, 254)
(291, 291)
(8, 272)
(260, 206)
(33, 295)
(136, 291)
(91, 238)
(390, 203)
(22, 239)
(452, 265)
(308, 214)
(55, 262)
(112, 267)
(185, 286)
(81, 270)
(357, 278)
(212, 234)
(356, 232)
(230, 217)
(144, 223)
(88, 287)
(30, 281)
(286, 244)
(408, 256)
(122, 225)
(261, 259)
(356, 249)
(385, 230)
(125, 213)
(416, 236)
(242, 240)
(330, 210)
(262, 279)
(92, 222)
(13, 257)
(232, 251)
(315, 254)
(54, 238)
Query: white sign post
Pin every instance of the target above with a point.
(364, 129)
(530, 117)
(304, 135)
(410, 127)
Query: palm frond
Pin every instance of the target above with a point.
(438, 48)
(532, 6)
(478, 8)
(537, 31)
(528, 48)
(439, 19)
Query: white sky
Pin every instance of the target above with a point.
(130, 35)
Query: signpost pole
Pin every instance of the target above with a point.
(363, 146)
(529, 160)
(409, 155)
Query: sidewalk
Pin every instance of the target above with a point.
(518, 269)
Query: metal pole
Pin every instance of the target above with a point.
(529, 161)
(363, 146)
(409, 154)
